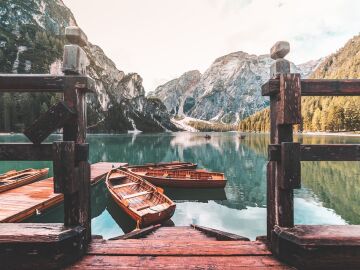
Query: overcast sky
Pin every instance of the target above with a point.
(161, 39)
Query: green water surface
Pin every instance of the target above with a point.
(330, 191)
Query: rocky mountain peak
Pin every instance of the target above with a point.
(228, 91)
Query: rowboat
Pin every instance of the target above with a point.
(181, 178)
(173, 165)
(143, 202)
(13, 179)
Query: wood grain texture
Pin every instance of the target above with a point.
(137, 233)
(290, 166)
(289, 100)
(25, 151)
(35, 232)
(319, 246)
(317, 87)
(65, 180)
(49, 122)
(43, 83)
(183, 262)
(180, 248)
(320, 235)
(220, 235)
(39, 246)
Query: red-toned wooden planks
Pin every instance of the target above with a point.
(178, 248)
(183, 262)
(185, 233)
(166, 247)
(22, 202)
(100, 169)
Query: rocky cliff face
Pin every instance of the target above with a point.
(31, 42)
(229, 90)
(174, 93)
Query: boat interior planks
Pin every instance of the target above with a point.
(142, 201)
(181, 178)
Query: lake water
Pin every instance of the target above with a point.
(330, 192)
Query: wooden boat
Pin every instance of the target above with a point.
(181, 178)
(142, 201)
(7, 174)
(174, 165)
(13, 179)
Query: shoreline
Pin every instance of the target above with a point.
(319, 133)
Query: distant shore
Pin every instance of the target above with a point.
(345, 133)
(318, 133)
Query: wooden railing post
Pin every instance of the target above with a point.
(77, 204)
(282, 177)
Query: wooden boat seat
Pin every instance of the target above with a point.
(141, 207)
(159, 207)
(137, 194)
(125, 185)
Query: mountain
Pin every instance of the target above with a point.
(325, 113)
(31, 41)
(228, 91)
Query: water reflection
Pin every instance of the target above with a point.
(330, 193)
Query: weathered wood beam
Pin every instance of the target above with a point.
(40, 246)
(32, 152)
(47, 123)
(43, 83)
(320, 152)
(317, 87)
(220, 235)
(64, 168)
(290, 165)
(289, 102)
(25, 151)
(137, 233)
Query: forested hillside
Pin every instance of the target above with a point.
(325, 113)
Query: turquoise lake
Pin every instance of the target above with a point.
(330, 192)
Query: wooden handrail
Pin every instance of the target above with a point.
(316, 87)
(32, 152)
(44, 83)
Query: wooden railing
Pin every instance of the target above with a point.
(284, 167)
(69, 156)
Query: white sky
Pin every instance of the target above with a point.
(161, 39)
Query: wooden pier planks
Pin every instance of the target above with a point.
(177, 248)
(20, 203)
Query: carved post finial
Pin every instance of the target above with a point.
(75, 35)
(75, 60)
(278, 52)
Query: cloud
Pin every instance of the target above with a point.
(162, 38)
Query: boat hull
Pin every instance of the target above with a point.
(37, 175)
(184, 183)
(148, 218)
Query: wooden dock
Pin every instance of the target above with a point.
(177, 248)
(20, 203)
